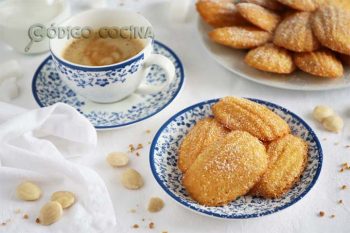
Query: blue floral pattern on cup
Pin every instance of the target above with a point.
(99, 77)
(163, 162)
(49, 89)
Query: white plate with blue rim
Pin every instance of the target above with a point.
(163, 162)
(48, 89)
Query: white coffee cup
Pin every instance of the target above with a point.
(111, 83)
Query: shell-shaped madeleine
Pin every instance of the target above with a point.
(259, 16)
(271, 58)
(288, 158)
(240, 37)
(221, 13)
(226, 170)
(330, 25)
(204, 133)
(295, 33)
(242, 114)
(322, 63)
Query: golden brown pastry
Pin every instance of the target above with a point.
(242, 114)
(271, 58)
(259, 16)
(226, 170)
(288, 158)
(219, 13)
(344, 4)
(295, 33)
(204, 133)
(322, 63)
(330, 25)
(303, 5)
(269, 4)
(240, 37)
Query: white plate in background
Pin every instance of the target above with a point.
(233, 60)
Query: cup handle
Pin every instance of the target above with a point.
(168, 67)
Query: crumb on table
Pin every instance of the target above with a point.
(151, 225)
(321, 213)
(135, 226)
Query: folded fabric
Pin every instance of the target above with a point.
(10, 72)
(38, 146)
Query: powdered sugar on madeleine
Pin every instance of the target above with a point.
(271, 58)
(240, 37)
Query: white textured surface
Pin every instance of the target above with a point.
(31, 150)
(205, 79)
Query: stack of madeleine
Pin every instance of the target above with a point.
(245, 149)
(282, 36)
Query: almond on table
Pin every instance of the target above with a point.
(28, 191)
(132, 179)
(333, 123)
(155, 204)
(321, 112)
(117, 159)
(50, 213)
(65, 198)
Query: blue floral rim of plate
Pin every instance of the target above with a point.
(163, 162)
(48, 89)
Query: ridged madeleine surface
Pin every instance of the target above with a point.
(226, 169)
(303, 5)
(242, 114)
(269, 4)
(271, 58)
(240, 37)
(321, 63)
(259, 16)
(204, 133)
(295, 33)
(344, 4)
(219, 13)
(331, 26)
(288, 160)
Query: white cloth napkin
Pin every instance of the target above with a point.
(38, 146)
(10, 72)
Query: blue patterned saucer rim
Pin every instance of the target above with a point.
(213, 214)
(182, 77)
